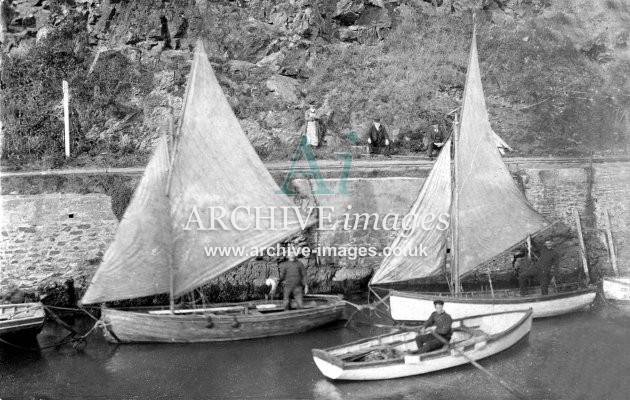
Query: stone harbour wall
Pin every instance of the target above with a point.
(611, 191)
(380, 196)
(50, 237)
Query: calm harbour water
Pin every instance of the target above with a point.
(584, 355)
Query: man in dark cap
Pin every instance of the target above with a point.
(378, 139)
(293, 275)
(440, 322)
(436, 140)
(545, 267)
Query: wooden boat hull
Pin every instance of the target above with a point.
(509, 328)
(137, 326)
(411, 306)
(21, 320)
(617, 289)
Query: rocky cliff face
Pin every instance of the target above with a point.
(555, 73)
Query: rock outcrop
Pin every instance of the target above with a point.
(275, 54)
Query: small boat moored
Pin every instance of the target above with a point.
(490, 218)
(395, 355)
(209, 165)
(410, 306)
(225, 322)
(617, 289)
(21, 320)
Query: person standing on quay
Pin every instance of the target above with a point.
(378, 139)
(312, 127)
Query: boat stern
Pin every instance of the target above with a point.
(328, 365)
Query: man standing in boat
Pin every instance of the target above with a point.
(293, 274)
(547, 261)
(441, 322)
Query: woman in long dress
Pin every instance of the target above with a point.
(312, 128)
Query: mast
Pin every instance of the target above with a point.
(175, 138)
(173, 154)
(455, 212)
(171, 296)
(456, 182)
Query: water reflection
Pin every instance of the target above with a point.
(581, 356)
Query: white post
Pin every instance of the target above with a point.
(66, 118)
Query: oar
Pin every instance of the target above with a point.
(503, 383)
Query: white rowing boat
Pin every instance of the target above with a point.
(395, 355)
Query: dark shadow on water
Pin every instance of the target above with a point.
(19, 350)
(581, 355)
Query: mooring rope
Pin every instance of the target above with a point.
(73, 337)
(82, 309)
(70, 338)
(370, 306)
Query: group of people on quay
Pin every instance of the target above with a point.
(376, 135)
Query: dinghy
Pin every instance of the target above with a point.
(489, 219)
(165, 240)
(395, 355)
(21, 320)
(617, 289)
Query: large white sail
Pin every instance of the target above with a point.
(137, 263)
(433, 203)
(493, 214)
(214, 167)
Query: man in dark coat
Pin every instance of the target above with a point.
(544, 267)
(293, 274)
(378, 138)
(442, 323)
(436, 140)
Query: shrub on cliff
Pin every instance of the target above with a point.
(31, 113)
(102, 98)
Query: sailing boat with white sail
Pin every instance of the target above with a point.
(210, 164)
(489, 217)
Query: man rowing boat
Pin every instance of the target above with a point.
(440, 322)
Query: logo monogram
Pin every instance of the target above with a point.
(313, 169)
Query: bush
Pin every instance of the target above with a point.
(32, 112)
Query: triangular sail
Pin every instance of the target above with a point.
(137, 262)
(434, 200)
(493, 214)
(217, 167)
(214, 166)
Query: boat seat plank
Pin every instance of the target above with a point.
(362, 352)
